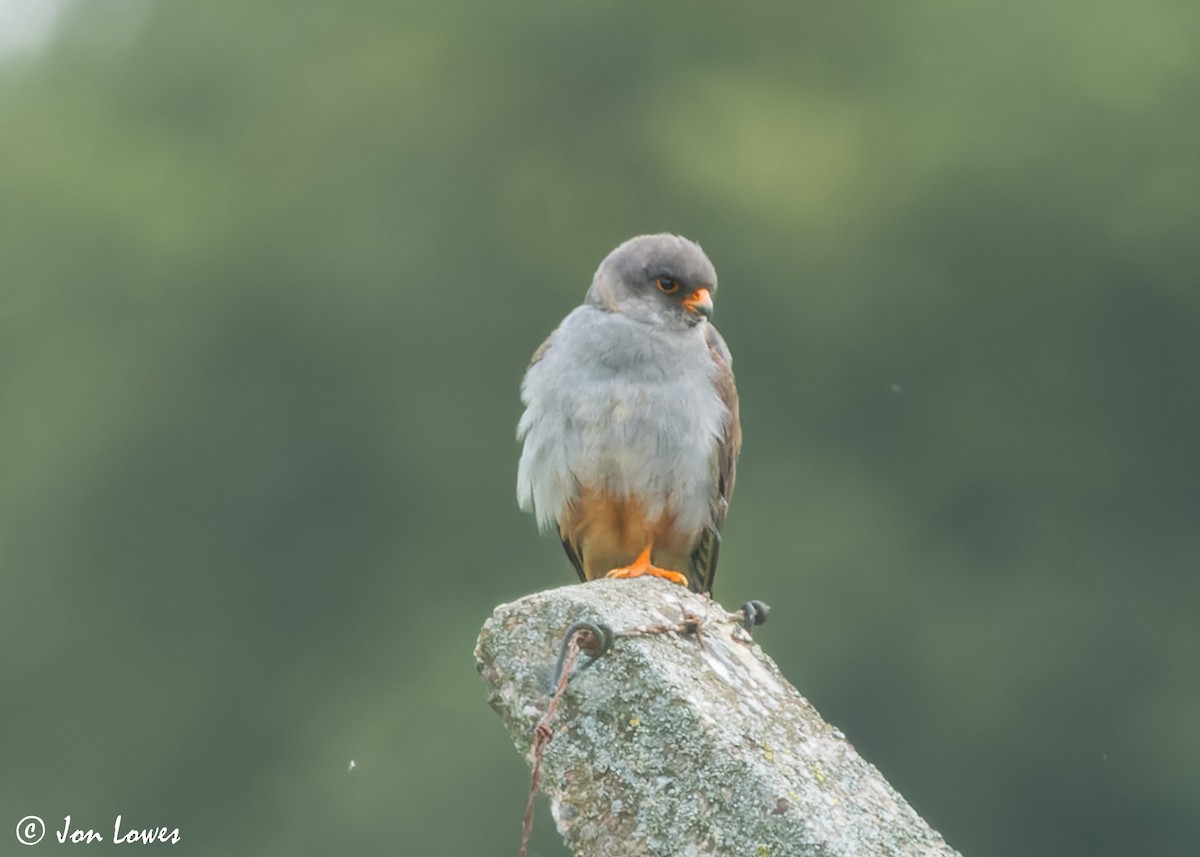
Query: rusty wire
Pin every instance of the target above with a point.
(542, 733)
(594, 639)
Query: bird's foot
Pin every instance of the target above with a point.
(642, 565)
(633, 571)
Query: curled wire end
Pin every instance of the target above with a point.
(595, 638)
(592, 638)
(755, 613)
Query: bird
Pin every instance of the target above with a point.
(631, 430)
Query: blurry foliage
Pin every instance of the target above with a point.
(272, 273)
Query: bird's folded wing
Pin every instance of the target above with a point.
(704, 559)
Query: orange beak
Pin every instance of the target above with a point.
(700, 301)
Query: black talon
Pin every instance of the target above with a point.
(754, 613)
(595, 638)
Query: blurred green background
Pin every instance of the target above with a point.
(272, 272)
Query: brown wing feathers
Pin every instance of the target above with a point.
(573, 556)
(704, 559)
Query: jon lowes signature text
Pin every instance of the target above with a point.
(120, 834)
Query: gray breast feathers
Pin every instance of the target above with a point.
(622, 406)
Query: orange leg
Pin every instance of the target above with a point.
(642, 565)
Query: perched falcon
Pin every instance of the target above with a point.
(631, 429)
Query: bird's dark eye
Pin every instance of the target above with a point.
(667, 284)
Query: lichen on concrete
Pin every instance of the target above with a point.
(675, 745)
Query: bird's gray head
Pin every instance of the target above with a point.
(664, 279)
